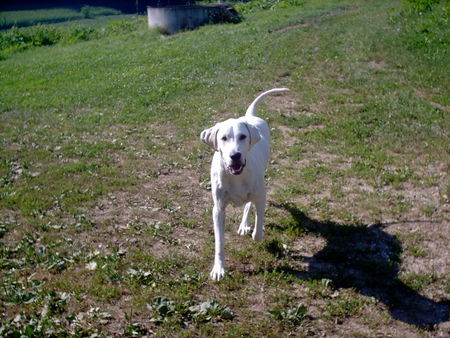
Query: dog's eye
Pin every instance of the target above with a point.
(242, 137)
(224, 138)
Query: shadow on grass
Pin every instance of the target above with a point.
(367, 259)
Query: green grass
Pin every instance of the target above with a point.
(17, 40)
(105, 207)
(52, 15)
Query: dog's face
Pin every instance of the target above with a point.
(233, 139)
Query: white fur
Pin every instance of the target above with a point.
(238, 180)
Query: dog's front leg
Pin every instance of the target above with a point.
(258, 231)
(218, 270)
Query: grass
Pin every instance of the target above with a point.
(52, 15)
(19, 39)
(105, 203)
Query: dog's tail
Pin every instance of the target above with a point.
(251, 110)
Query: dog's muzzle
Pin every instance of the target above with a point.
(236, 168)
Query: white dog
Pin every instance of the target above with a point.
(237, 173)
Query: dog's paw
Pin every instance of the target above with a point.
(258, 235)
(217, 272)
(244, 229)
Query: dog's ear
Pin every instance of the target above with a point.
(209, 136)
(254, 134)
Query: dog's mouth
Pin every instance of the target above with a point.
(236, 169)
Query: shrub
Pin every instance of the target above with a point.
(86, 12)
(79, 33)
(227, 14)
(19, 39)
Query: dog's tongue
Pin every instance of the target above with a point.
(236, 169)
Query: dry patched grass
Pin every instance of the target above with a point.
(370, 264)
(364, 258)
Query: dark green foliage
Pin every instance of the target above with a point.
(293, 316)
(226, 14)
(424, 26)
(19, 39)
(420, 6)
(168, 311)
(86, 12)
(256, 5)
(24, 18)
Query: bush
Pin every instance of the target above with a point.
(86, 12)
(79, 33)
(19, 39)
(121, 26)
(227, 14)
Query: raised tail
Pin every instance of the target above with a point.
(251, 110)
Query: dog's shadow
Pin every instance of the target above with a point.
(367, 259)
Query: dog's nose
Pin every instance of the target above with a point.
(236, 156)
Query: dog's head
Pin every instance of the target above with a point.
(233, 139)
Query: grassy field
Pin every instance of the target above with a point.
(17, 40)
(52, 15)
(105, 206)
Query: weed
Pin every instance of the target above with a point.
(416, 281)
(396, 176)
(342, 308)
(320, 288)
(416, 251)
(168, 311)
(135, 330)
(208, 311)
(294, 316)
(141, 277)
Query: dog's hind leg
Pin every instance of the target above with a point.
(258, 231)
(245, 228)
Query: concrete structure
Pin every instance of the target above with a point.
(178, 18)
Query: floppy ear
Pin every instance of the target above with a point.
(254, 134)
(209, 136)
